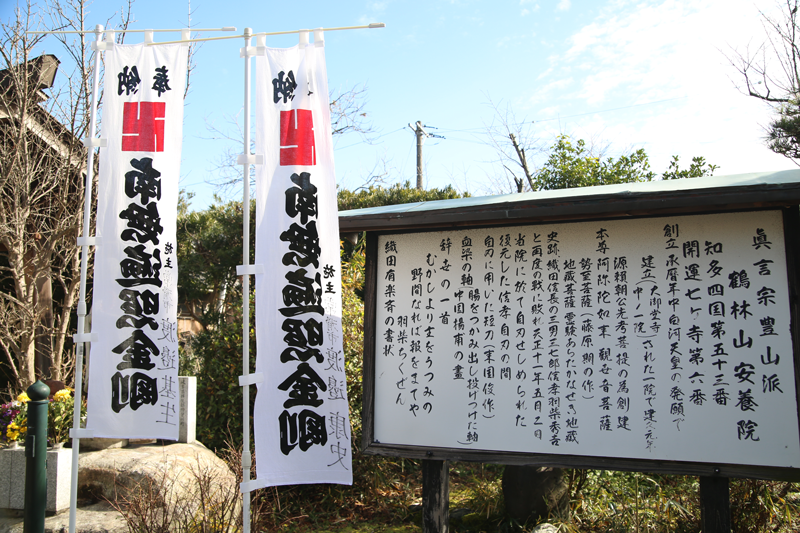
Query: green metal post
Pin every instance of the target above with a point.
(36, 458)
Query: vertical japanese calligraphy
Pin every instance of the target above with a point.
(661, 338)
(301, 422)
(133, 368)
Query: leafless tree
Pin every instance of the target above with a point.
(348, 117)
(770, 69)
(349, 114)
(515, 144)
(42, 168)
(771, 73)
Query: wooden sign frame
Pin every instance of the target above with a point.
(602, 203)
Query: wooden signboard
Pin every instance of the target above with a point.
(658, 343)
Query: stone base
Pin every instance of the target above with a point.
(12, 479)
(173, 472)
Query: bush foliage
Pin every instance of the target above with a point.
(219, 396)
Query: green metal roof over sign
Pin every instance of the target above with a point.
(717, 193)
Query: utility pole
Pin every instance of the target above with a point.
(420, 132)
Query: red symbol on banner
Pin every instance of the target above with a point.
(143, 126)
(297, 138)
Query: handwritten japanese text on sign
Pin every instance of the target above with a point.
(662, 338)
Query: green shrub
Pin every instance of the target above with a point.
(219, 396)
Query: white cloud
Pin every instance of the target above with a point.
(378, 7)
(563, 5)
(374, 9)
(525, 11)
(655, 50)
(508, 41)
(504, 42)
(545, 73)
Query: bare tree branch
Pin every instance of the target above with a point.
(771, 73)
(348, 116)
(771, 70)
(43, 117)
(513, 141)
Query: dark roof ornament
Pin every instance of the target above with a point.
(41, 71)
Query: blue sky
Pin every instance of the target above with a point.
(621, 74)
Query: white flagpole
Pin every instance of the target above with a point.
(84, 242)
(245, 270)
(246, 458)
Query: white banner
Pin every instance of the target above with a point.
(301, 421)
(133, 375)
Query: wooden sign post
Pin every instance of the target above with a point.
(715, 504)
(435, 496)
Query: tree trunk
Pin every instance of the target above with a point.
(71, 293)
(27, 365)
(44, 327)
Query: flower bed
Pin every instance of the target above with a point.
(14, 418)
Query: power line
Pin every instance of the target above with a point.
(376, 138)
(484, 132)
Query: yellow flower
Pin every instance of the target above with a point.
(62, 395)
(23, 397)
(12, 432)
